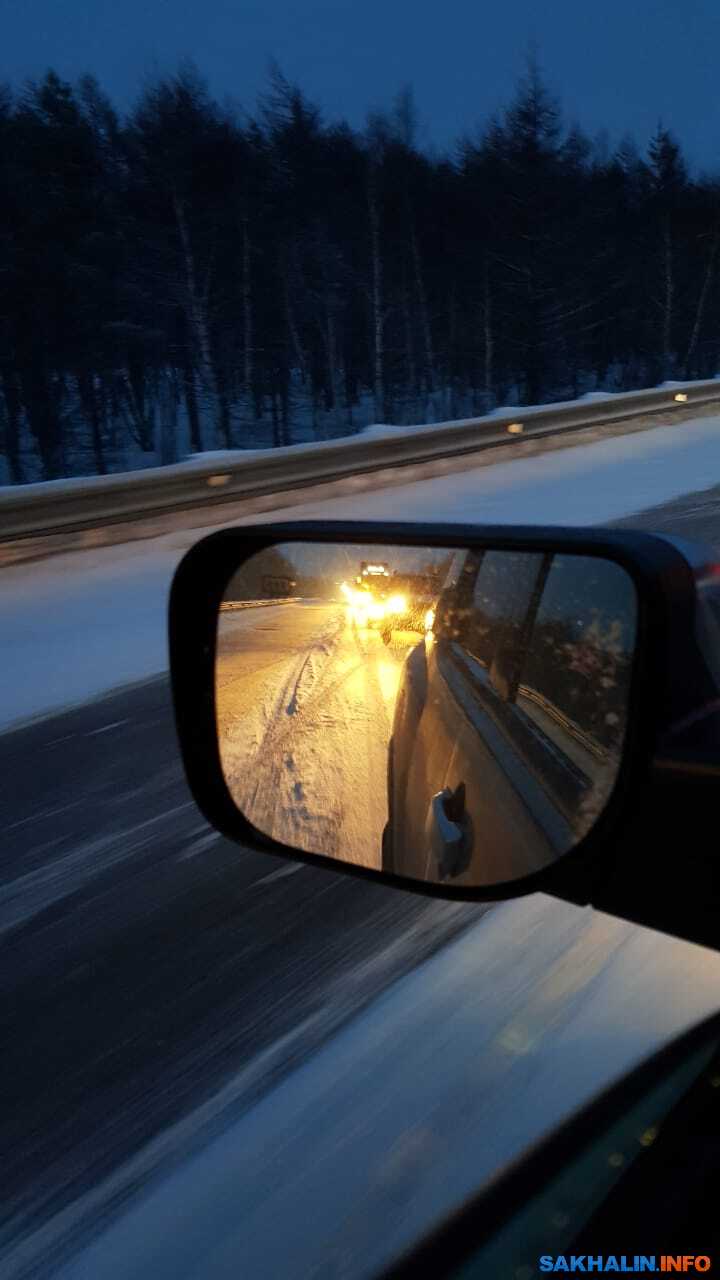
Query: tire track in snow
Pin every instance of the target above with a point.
(322, 756)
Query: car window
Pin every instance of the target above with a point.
(501, 598)
(455, 601)
(576, 666)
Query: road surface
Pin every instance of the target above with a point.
(305, 711)
(145, 960)
(150, 969)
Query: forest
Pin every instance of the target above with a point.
(195, 276)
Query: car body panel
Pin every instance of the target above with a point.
(492, 713)
(412, 1106)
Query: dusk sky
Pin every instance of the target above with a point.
(614, 64)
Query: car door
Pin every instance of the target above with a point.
(458, 738)
(515, 711)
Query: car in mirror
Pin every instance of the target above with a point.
(473, 713)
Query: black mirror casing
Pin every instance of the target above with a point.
(636, 861)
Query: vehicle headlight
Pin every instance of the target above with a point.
(397, 604)
(429, 619)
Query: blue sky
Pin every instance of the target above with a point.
(613, 64)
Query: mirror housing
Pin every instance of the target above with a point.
(636, 862)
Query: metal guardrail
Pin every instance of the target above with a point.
(232, 605)
(98, 501)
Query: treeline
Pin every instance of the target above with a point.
(191, 278)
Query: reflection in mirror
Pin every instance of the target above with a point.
(454, 716)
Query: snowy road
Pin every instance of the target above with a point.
(305, 707)
(161, 987)
(154, 975)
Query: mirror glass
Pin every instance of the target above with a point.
(454, 716)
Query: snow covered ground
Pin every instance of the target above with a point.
(305, 708)
(78, 625)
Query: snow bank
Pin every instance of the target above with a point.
(580, 485)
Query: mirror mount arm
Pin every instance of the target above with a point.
(663, 869)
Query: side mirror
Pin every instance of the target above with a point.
(556, 737)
